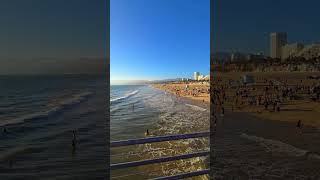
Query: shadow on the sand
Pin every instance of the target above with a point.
(303, 110)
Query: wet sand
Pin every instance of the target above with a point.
(251, 142)
(249, 148)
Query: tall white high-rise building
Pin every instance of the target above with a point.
(277, 41)
(195, 75)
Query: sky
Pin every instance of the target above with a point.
(245, 25)
(159, 39)
(36, 34)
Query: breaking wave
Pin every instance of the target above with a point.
(196, 107)
(277, 146)
(124, 97)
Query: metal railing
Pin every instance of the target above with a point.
(158, 139)
(162, 159)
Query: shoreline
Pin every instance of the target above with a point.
(179, 125)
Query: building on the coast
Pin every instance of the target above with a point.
(277, 41)
(196, 75)
(310, 51)
(290, 50)
(200, 77)
(236, 57)
(203, 78)
(256, 57)
(279, 48)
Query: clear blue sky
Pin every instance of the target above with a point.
(244, 25)
(52, 28)
(159, 39)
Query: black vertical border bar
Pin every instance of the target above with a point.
(108, 90)
(212, 124)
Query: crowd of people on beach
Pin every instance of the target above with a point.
(189, 90)
(269, 95)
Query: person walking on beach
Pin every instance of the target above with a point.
(274, 105)
(222, 111)
(266, 104)
(278, 105)
(132, 106)
(74, 139)
(299, 124)
(5, 130)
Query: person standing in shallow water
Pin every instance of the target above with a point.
(147, 133)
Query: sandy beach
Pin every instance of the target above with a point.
(297, 106)
(246, 147)
(195, 91)
(260, 140)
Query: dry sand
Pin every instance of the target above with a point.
(179, 90)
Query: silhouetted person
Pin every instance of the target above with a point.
(5, 130)
(74, 140)
(299, 124)
(222, 111)
(147, 132)
(266, 104)
(278, 106)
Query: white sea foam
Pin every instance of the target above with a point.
(277, 146)
(125, 96)
(176, 118)
(196, 107)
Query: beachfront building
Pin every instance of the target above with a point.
(200, 77)
(196, 75)
(204, 78)
(256, 57)
(277, 41)
(310, 51)
(236, 57)
(290, 50)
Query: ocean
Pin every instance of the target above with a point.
(37, 117)
(134, 109)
